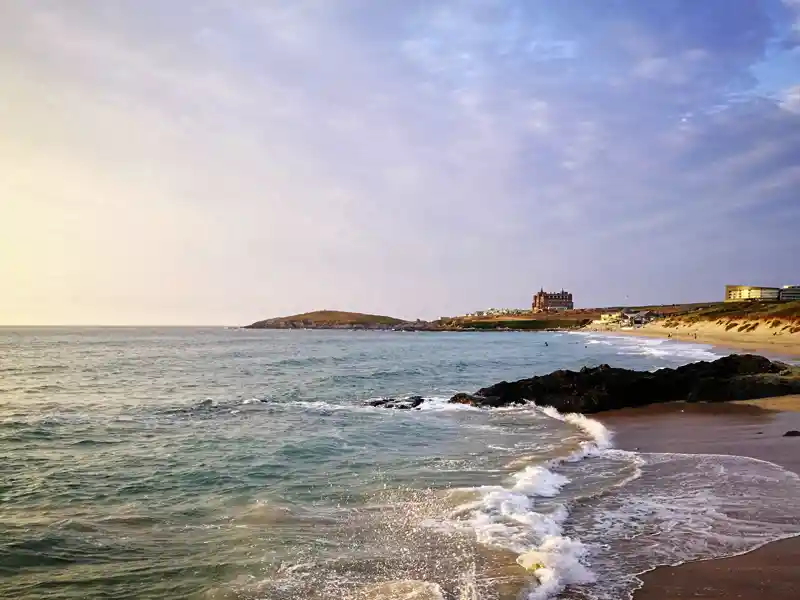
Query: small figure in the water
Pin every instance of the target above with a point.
(546, 344)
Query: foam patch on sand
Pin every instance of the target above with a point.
(686, 507)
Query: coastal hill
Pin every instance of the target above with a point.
(328, 319)
(774, 321)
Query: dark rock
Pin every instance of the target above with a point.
(792, 433)
(402, 404)
(416, 401)
(462, 398)
(594, 389)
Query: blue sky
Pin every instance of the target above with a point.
(206, 161)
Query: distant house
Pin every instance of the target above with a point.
(638, 317)
(737, 293)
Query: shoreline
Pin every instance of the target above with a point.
(750, 428)
(787, 346)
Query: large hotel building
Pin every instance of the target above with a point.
(544, 301)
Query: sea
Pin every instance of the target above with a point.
(218, 463)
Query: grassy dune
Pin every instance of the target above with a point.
(743, 317)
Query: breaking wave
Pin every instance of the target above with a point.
(669, 509)
(657, 348)
(522, 516)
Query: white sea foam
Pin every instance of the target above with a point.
(666, 348)
(525, 517)
(556, 563)
(252, 401)
(655, 347)
(538, 481)
(321, 405)
(442, 404)
(599, 433)
(431, 404)
(670, 509)
(687, 507)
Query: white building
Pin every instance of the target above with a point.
(790, 292)
(736, 293)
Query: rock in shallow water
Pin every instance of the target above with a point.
(792, 433)
(402, 404)
(734, 377)
(595, 389)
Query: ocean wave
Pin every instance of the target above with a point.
(248, 401)
(523, 517)
(630, 345)
(442, 404)
(431, 404)
(600, 436)
(209, 407)
(669, 509)
(324, 406)
(686, 507)
(666, 349)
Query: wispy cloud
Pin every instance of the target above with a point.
(231, 161)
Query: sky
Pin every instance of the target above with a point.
(214, 162)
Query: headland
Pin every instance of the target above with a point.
(336, 319)
(769, 327)
(329, 319)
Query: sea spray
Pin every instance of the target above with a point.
(515, 517)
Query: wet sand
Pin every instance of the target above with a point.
(745, 429)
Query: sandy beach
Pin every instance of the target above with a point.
(751, 428)
(761, 340)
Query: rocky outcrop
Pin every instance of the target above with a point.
(595, 389)
(590, 390)
(402, 404)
